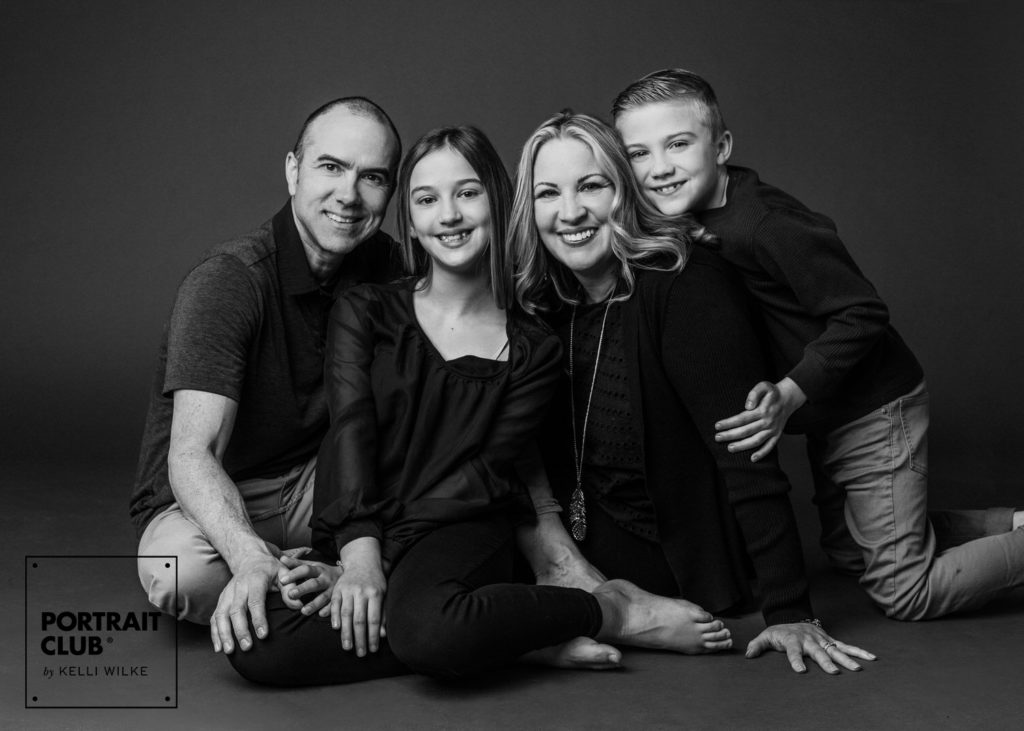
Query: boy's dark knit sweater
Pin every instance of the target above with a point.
(827, 328)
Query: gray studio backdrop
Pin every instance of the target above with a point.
(136, 134)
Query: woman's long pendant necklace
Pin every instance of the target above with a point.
(577, 504)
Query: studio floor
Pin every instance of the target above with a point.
(958, 673)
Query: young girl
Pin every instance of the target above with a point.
(435, 385)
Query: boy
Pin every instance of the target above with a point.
(849, 382)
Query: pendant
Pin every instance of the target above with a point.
(578, 515)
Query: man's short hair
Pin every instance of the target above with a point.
(360, 106)
(674, 85)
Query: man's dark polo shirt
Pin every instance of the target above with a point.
(249, 323)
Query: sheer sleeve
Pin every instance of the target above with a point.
(346, 505)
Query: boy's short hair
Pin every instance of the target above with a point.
(673, 85)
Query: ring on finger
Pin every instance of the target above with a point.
(828, 645)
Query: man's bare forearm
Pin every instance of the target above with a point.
(210, 499)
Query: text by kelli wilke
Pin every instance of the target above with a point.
(96, 671)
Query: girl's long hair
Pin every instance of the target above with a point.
(473, 145)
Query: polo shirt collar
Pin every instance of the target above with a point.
(293, 268)
(296, 278)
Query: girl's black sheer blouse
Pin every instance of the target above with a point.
(417, 441)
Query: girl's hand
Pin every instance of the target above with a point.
(304, 578)
(357, 599)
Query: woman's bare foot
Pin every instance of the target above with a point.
(572, 572)
(636, 617)
(581, 653)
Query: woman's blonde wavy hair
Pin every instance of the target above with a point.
(641, 237)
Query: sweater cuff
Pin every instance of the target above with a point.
(789, 614)
(362, 528)
(809, 377)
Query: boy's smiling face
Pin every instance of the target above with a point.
(676, 160)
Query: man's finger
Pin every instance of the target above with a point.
(223, 625)
(240, 626)
(258, 611)
(214, 634)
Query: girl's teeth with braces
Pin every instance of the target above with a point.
(575, 237)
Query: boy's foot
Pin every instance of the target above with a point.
(581, 653)
(636, 617)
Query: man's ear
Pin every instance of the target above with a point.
(291, 172)
(724, 146)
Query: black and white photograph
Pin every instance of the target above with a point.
(548, 365)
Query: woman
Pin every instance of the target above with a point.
(657, 345)
(435, 384)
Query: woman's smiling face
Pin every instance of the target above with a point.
(572, 204)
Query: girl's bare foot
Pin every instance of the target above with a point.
(581, 653)
(636, 617)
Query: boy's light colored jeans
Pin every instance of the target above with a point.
(871, 489)
(279, 509)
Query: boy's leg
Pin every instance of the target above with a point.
(842, 551)
(279, 509)
(956, 527)
(881, 462)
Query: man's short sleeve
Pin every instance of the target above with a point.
(215, 317)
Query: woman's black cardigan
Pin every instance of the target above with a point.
(693, 355)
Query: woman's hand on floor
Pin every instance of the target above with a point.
(806, 639)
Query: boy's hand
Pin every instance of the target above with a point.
(766, 411)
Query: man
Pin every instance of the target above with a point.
(237, 409)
